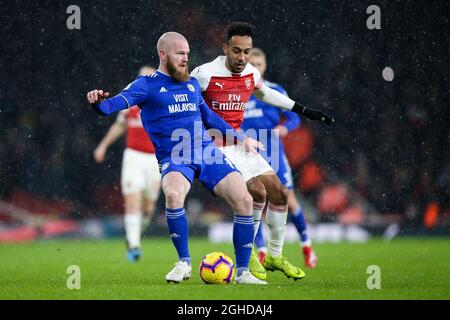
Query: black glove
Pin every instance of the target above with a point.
(312, 114)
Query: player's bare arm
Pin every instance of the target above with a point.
(117, 130)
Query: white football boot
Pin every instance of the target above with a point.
(181, 271)
(247, 278)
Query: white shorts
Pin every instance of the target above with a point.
(140, 173)
(249, 164)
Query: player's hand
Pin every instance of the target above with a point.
(97, 96)
(99, 154)
(318, 115)
(312, 114)
(282, 130)
(253, 146)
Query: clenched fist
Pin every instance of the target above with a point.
(97, 96)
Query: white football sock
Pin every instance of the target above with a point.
(257, 213)
(276, 218)
(132, 223)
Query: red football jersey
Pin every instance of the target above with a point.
(226, 93)
(137, 137)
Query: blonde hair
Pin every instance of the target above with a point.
(257, 52)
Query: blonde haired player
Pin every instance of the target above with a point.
(140, 177)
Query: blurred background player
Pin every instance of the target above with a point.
(259, 115)
(140, 177)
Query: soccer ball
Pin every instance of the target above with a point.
(217, 268)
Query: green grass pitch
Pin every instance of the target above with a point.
(411, 268)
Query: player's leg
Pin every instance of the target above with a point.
(233, 190)
(132, 185)
(276, 214)
(298, 219)
(223, 179)
(284, 173)
(260, 245)
(148, 209)
(276, 218)
(175, 186)
(258, 192)
(250, 165)
(132, 222)
(152, 190)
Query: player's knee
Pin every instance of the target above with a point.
(277, 193)
(132, 207)
(174, 198)
(257, 191)
(258, 194)
(243, 203)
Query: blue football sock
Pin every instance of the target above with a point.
(242, 241)
(298, 219)
(259, 239)
(178, 228)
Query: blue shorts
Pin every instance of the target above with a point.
(209, 173)
(282, 169)
(284, 172)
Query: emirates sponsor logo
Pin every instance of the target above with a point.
(228, 106)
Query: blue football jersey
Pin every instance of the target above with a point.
(260, 115)
(259, 119)
(173, 113)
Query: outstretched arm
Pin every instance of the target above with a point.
(134, 94)
(102, 105)
(277, 99)
(115, 132)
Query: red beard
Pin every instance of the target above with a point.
(180, 76)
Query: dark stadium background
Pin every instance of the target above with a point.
(389, 147)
